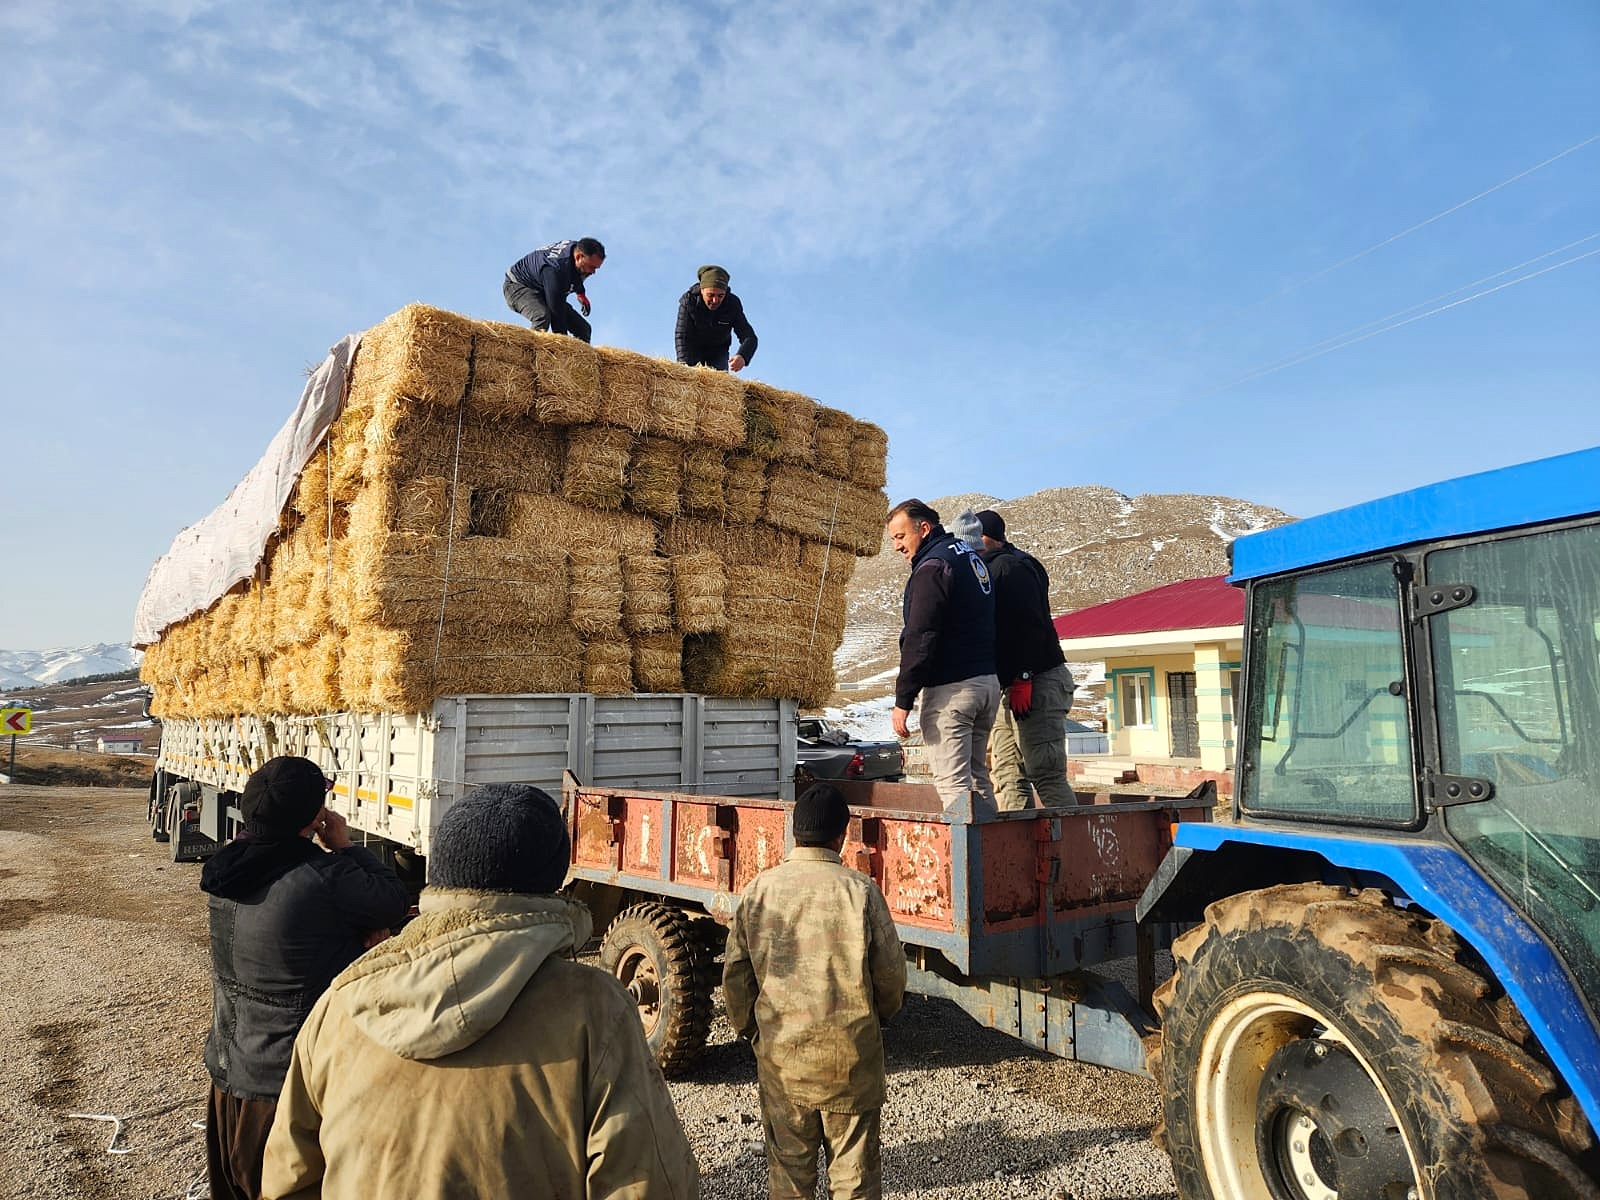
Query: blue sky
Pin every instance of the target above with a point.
(1043, 245)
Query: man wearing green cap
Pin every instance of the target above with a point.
(708, 317)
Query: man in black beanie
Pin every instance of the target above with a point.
(510, 1069)
(709, 316)
(813, 965)
(286, 917)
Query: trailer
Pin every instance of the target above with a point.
(1009, 916)
(395, 774)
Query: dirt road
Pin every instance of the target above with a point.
(106, 1000)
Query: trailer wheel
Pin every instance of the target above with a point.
(654, 953)
(1322, 1044)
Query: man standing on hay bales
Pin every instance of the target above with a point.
(470, 1055)
(285, 919)
(708, 317)
(946, 653)
(1031, 731)
(813, 965)
(537, 286)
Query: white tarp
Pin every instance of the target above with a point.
(223, 548)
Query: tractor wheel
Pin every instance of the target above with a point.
(1322, 1044)
(654, 953)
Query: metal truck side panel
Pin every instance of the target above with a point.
(1441, 881)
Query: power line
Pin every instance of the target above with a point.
(1351, 341)
(1410, 229)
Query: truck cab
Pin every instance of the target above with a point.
(1387, 987)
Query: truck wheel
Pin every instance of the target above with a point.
(654, 953)
(1322, 1044)
(185, 842)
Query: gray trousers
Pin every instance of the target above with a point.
(529, 303)
(1033, 750)
(956, 719)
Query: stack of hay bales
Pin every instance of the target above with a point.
(497, 510)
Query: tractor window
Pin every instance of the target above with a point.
(1517, 691)
(1326, 731)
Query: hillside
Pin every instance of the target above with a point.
(68, 720)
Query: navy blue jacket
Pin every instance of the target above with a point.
(550, 271)
(949, 617)
(1025, 632)
(280, 931)
(704, 335)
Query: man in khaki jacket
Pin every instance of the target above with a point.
(813, 965)
(469, 1056)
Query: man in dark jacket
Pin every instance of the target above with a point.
(946, 652)
(1029, 744)
(537, 285)
(286, 917)
(708, 317)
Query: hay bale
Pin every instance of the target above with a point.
(608, 666)
(719, 418)
(655, 476)
(745, 486)
(835, 435)
(869, 456)
(311, 496)
(420, 353)
(699, 585)
(780, 424)
(595, 594)
(658, 662)
(703, 476)
(472, 451)
(566, 380)
(596, 474)
(735, 544)
(826, 510)
(542, 520)
(646, 593)
(675, 400)
(626, 388)
(704, 661)
(502, 384)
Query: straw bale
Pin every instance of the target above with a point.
(477, 451)
(835, 434)
(346, 440)
(625, 388)
(404, 670)
(655, 476)
(704, 661)
(596, 473)
(746, 487)
(646, 593)
(318, 684)
(764, 663)
(595, 595)
(502, 371)
(826, 510)
(736, 544)
(703, 476)
(698, 589)
(719, 418)
(421, 353)
(675, 401)
(473, 604)
(869, 456)
(538, 520)
(566, 380)
(311, 497)
(780, 424)
(608, 666)
(658, 662)
(832, 563)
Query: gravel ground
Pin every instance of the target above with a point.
(103, 967)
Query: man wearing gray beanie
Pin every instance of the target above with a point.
(470, 1055)
(813, 965)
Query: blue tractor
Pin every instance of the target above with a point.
(1387, 988)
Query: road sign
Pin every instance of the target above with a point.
(15, 720)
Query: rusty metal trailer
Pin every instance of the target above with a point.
(1008, 915)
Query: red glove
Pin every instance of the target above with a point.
(1020, 697)
(583, 302)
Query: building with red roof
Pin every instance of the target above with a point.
(1171, 658)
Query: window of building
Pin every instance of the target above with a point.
(1133, 700)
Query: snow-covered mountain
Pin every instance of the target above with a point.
(33, 668)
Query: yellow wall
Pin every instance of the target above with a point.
(1212, 664)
